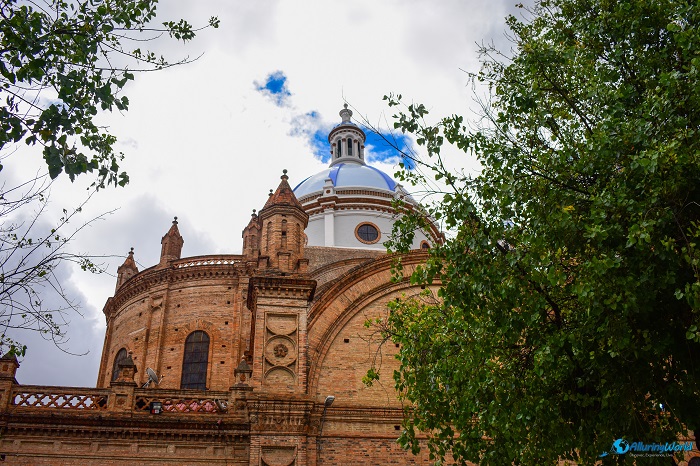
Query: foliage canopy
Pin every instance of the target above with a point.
(567, 311)
(62, 62)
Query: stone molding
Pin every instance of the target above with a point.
(284, 287)
(187, 269)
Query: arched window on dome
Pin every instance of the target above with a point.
(337, 149)
(118, 359)
(349, 147)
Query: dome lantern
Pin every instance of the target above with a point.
(350, 203)
(347, 140)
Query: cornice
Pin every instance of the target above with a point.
(316, 205)
(341, 128)
(115, 426)
(287, 287)
(187, 269)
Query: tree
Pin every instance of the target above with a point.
(32, 295)
(566, 314)
(62, 62)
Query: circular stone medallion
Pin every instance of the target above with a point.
(280, 351)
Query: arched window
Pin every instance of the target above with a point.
(118, 359)
(349, 147)
(337, 149)
(424, 245)
(195, 360)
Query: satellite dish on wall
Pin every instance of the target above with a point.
(152, 377)
(221, 405)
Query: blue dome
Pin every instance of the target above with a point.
(346, 175)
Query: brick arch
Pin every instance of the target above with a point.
(352, 294)
(198, 324)
(114, 357)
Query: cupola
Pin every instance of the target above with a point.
(347, 140)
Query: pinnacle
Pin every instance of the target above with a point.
(284, 194)
(129, 262)
(174, 230)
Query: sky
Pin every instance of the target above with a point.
(206, 141)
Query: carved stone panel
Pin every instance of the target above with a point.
(281, 351)
(281, 324)
(280, 378)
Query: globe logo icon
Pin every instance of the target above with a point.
(620, 446)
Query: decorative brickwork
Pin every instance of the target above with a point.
(286, 349)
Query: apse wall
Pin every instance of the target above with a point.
(155, 312)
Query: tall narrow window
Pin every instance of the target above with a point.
(337, 149)
(283, 237)
(118, 359)
(349, 147)
(194, 363)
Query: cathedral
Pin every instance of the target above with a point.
(250, 359)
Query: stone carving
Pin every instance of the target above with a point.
(280, 350)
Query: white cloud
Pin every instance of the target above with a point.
(203, 144)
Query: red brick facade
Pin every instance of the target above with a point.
(285, 328)
(293, 315)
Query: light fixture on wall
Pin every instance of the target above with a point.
(326, 404)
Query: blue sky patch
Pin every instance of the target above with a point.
(383, 148)
(275, 87)
(310, 127)
(378, 147)
(319, 142)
